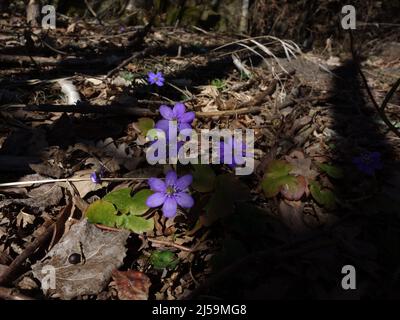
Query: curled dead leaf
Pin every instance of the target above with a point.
(131, 285)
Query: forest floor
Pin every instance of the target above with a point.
(250, 237)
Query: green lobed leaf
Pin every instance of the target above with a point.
(139, 206)
(278, 168)
(102, 212)
(135, 223)
(203, 178)
(218, 83)
(121, 199)
(331, 170)
(163, 259)
(324, 197)
(128, 76)
(276, 176)
(272, 187)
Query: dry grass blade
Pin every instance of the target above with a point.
(290, 48)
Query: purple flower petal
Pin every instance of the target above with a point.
(163, 125)
(151, 77)
(183, 182)
(187, 117)
(169, 207)
(184, 200)
(95, 178)
(160, 79)
(157, 185)
(178, 110)
(183, 126)
(156, 200)
(170, 178)
(156, 78)
(166, 112)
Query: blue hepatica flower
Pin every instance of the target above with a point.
(175, 116)
(156, 78)
(96, 176)
(368, 162)
(170, 194)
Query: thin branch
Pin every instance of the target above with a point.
(166, 243)
(379, 109)
(93, 12)
(9, 274)
(12, 294)
(84, 108)
(240, 111)
(227, 113)
(389, 95)
(44, 181)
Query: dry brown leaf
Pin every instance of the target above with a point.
(84, 187)
(101, 253)
(40, 198)
(46, 169)
(23, 219)
(131, 285)
(122, 153)
(3, 232)
(301, 165)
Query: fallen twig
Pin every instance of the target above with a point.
(12, 294)
(227, 113)
(24, 60)
(83, 108)
(44, 181)
(240, 111)
(89, 7)
(166, 243)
